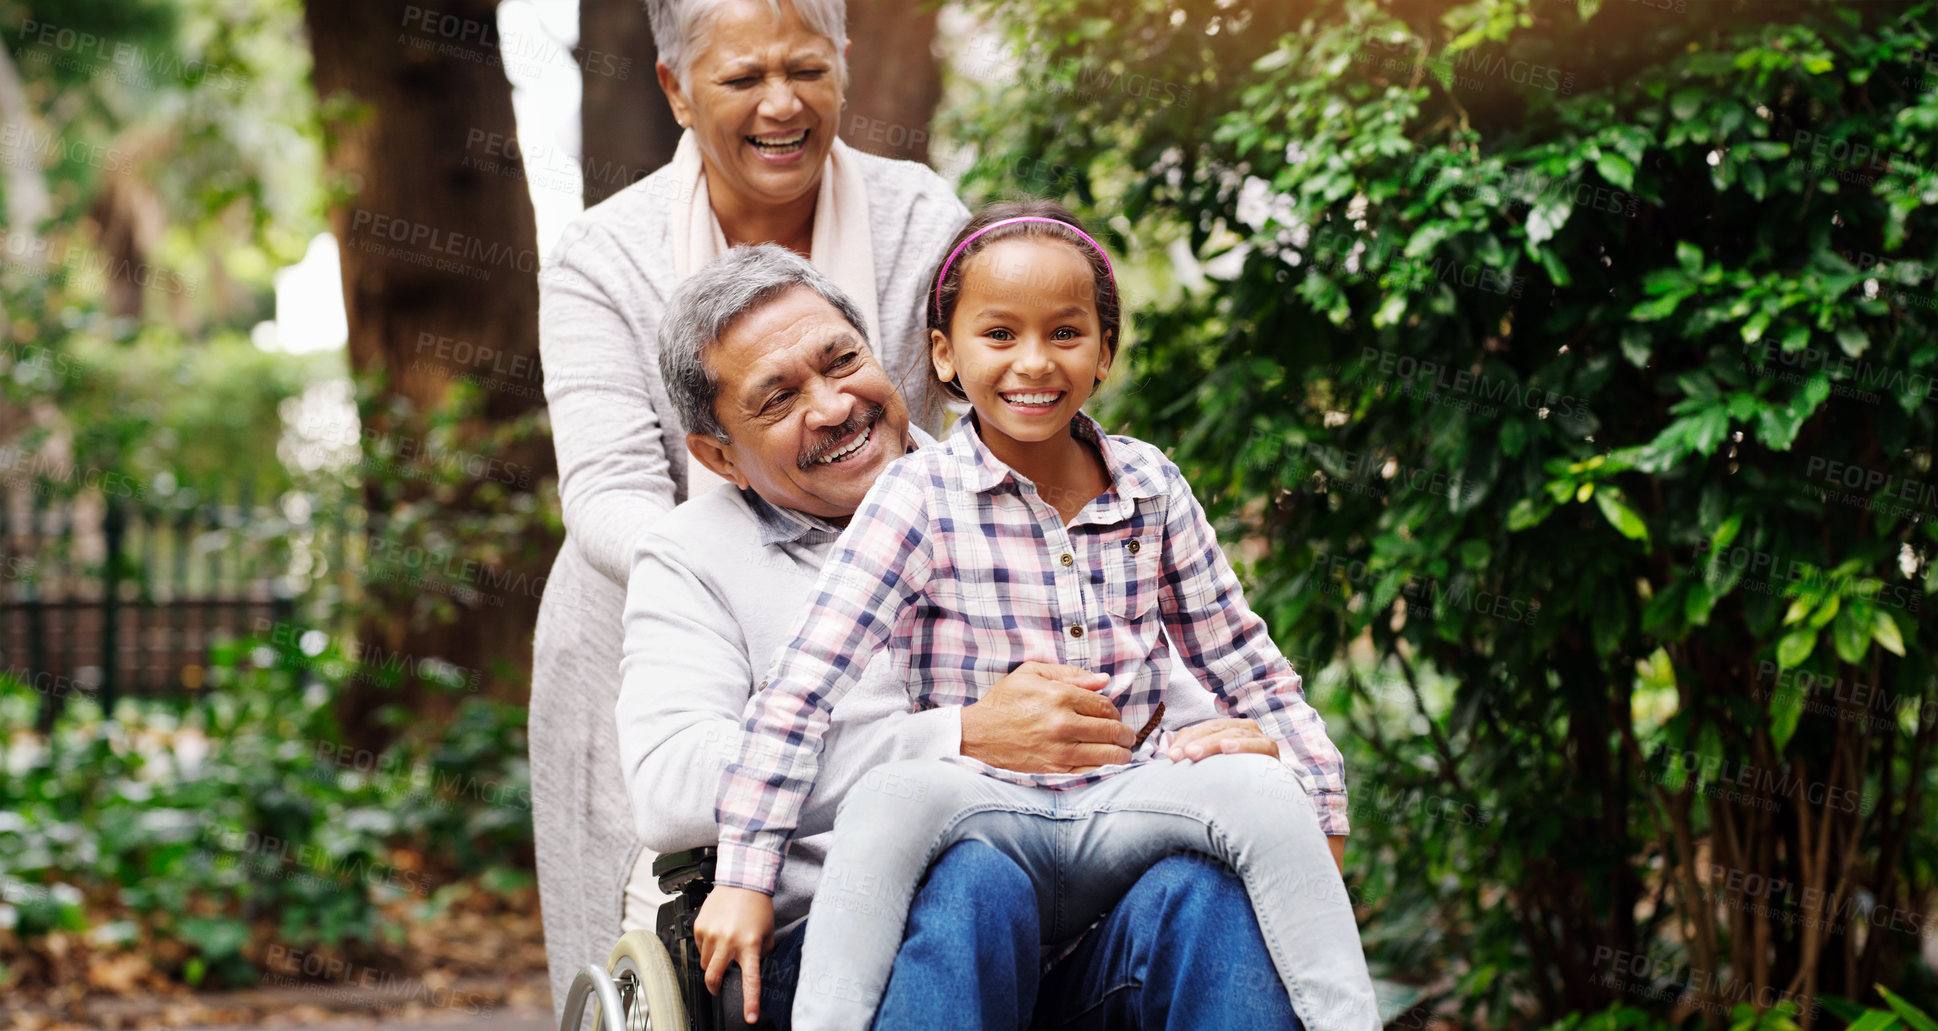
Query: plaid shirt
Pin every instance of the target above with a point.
(958, 565)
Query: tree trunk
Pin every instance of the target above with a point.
(628, 129)
(894, 81)
(439, 251)
(28, 203)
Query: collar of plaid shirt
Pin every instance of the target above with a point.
(1130, 479)
(786, 526)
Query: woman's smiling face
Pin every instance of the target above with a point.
(763, 96)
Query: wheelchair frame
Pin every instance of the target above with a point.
(656, 982)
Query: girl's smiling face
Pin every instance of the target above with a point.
(1025, 343)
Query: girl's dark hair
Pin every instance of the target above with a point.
(943, 294)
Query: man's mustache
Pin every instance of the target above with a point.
(860, 420)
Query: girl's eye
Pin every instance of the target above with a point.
(1066, 333)
(998, 334)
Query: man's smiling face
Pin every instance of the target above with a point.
(813, 417)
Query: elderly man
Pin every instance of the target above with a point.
(763, 357)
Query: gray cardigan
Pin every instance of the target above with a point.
(600, 299)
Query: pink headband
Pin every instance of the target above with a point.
(944, 274)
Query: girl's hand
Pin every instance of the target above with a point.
(735, 925)
(1221, 737)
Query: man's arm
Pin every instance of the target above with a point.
(686, 677)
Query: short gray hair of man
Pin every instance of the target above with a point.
(707, 305)
(678, 26)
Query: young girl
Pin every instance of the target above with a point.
(1031, 535)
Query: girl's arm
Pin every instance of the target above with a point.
(878, 567)
(1217, 633)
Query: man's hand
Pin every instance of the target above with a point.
(1046, 718)
(1221, 737)
(735, 925)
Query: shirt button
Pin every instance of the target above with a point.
(1066, 559)
(1132, 547)
(1076, 631)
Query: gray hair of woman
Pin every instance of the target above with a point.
(679, 28)
(707, 305)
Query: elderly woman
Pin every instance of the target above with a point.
(758, 86)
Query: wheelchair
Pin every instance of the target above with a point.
(655, 982)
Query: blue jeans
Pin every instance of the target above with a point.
(1180, 950)
(1081, 850)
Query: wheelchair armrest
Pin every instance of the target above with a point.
(688, 877)
(692, 869)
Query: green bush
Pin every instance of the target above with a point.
(1570, 366)
(239, 820)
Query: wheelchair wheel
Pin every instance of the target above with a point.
(649, 991)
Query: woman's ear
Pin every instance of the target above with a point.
(942, 356)
(669, 84)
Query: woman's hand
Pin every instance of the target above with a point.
(1221, 737)
(735, 925)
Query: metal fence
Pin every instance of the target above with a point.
(118, 597)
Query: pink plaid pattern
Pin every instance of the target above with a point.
(962, 569)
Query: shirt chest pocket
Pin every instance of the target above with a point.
(1127, 564)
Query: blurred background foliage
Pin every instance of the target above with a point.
(1510, 344)
(163, 162)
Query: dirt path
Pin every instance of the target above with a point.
(511, 1003)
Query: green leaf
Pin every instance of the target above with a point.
(1635, 345)
(1777, 426)
(1825, 612)
(1795, 647)
(1795, 337)
(1906, 1012)
(1687, 102)
(1850, 634)
(1786, 707)
(1874, 1020)
(1755, 183)
(1689, 256)
(1514, 437)
(1527, 514)
(1696, 607)
(1756, 324)
(1885, 632)
(1546, 220)
(1588, 8)
(1619, 515)
(1657, 309)
(1617, 169)
(1852, 340)
(1726, 532)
